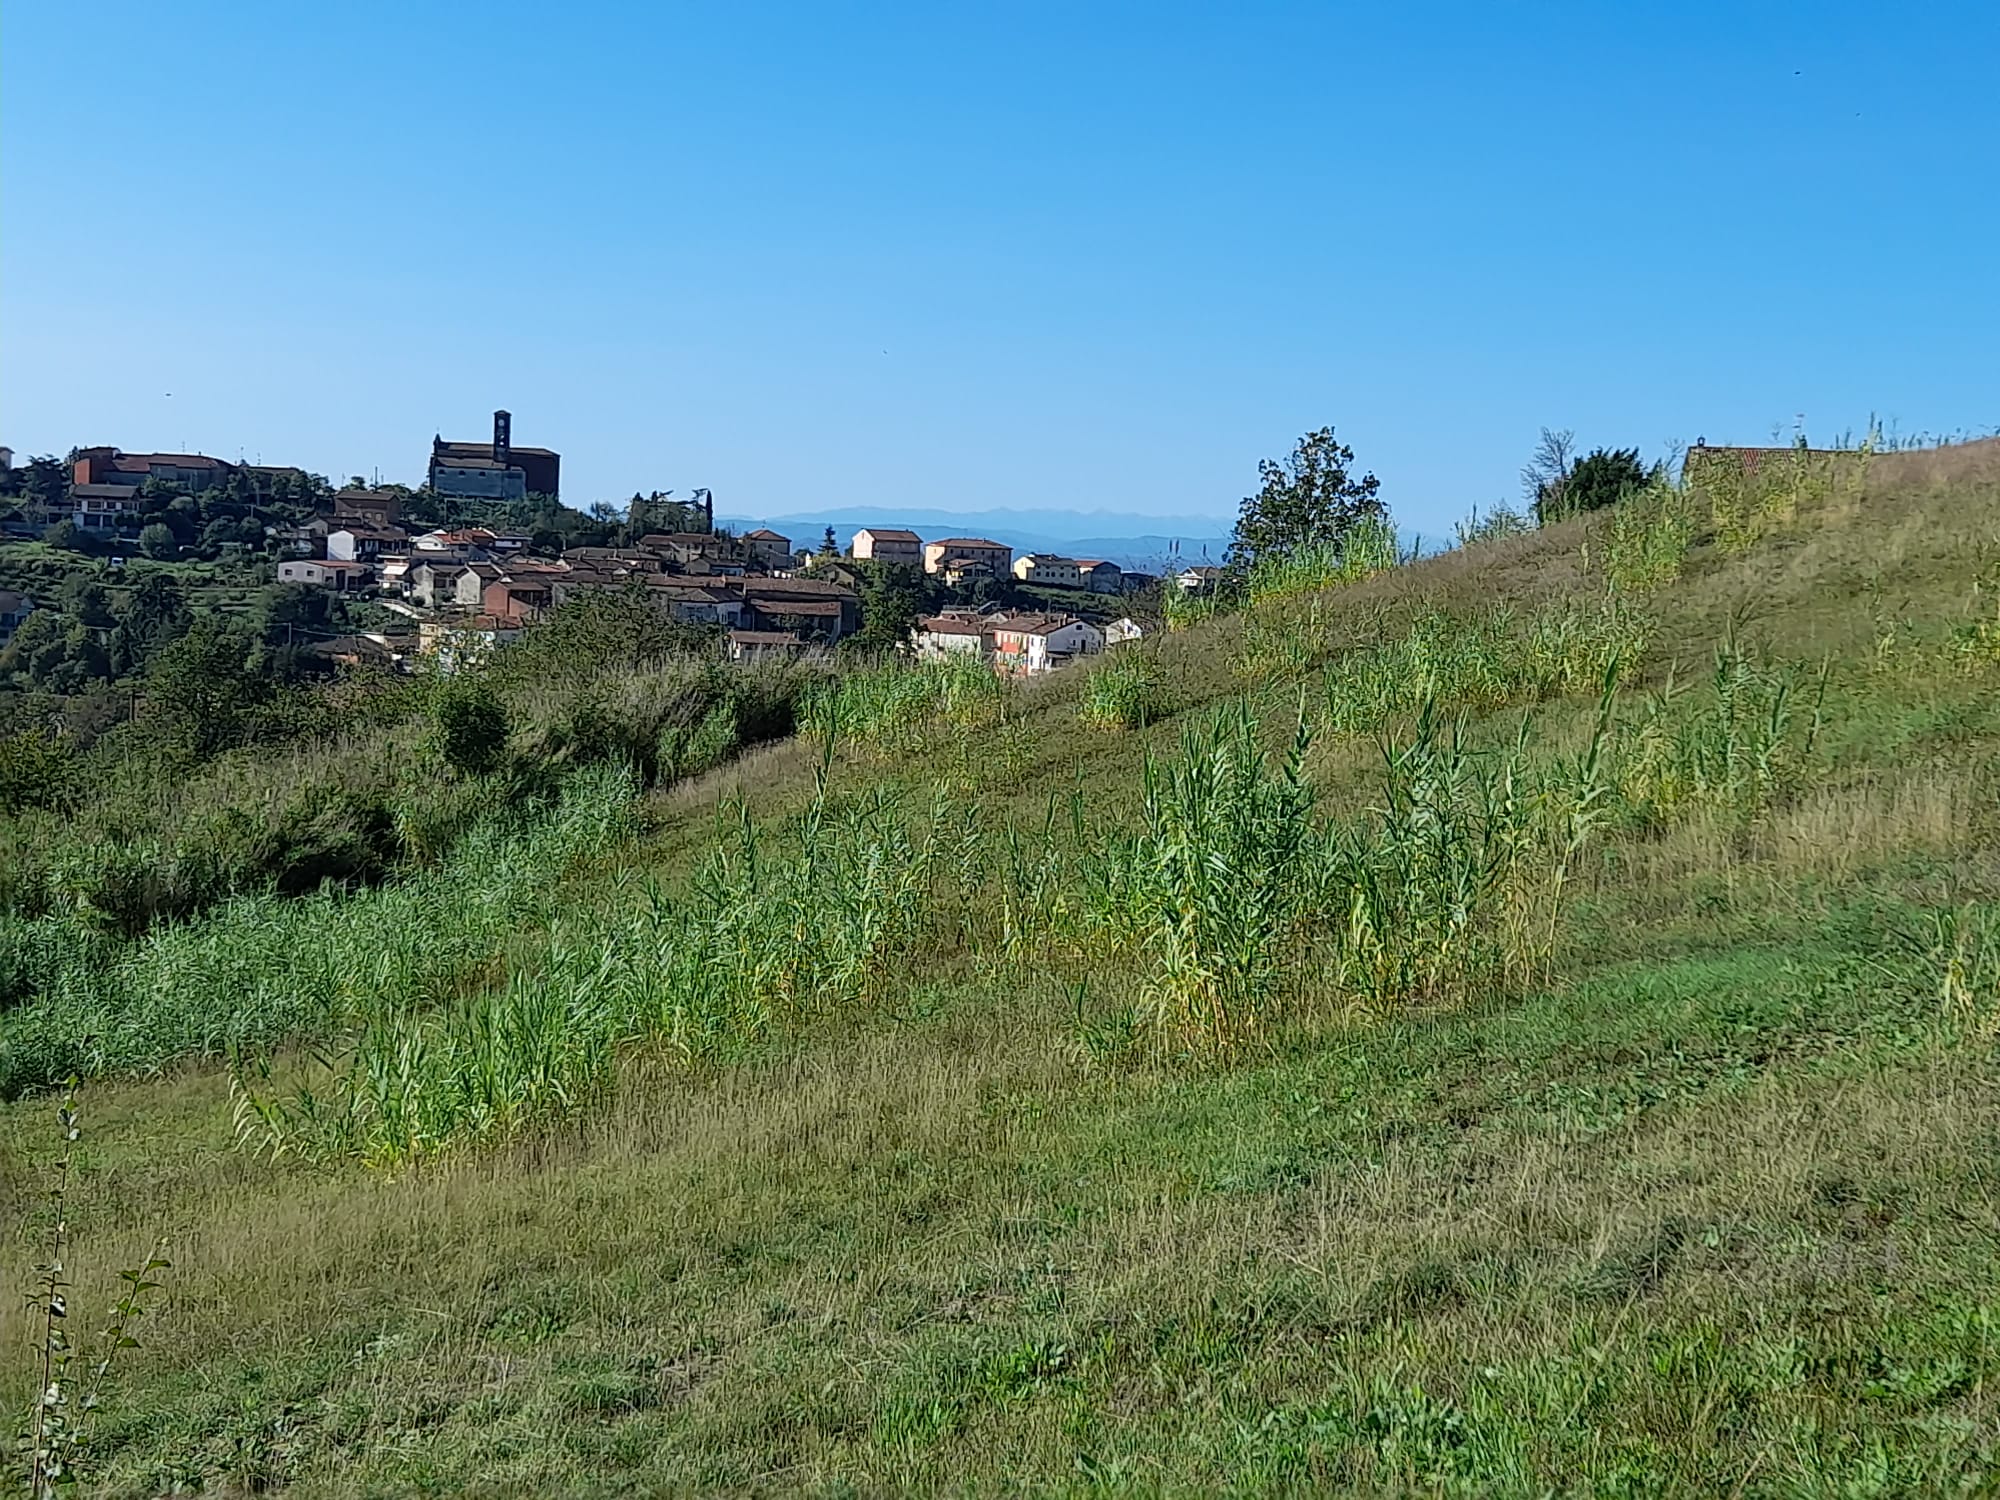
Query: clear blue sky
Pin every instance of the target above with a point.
(1074, 255)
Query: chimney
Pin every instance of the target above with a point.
(503, 428)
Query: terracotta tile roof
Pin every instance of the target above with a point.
(167, 461)
(971, 541)
(885, 534)
(457, 454)
(764, 534)
(796, 588)
(1035, 624)
(954, 625)
(675, 588)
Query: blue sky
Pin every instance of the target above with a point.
(1090, 256)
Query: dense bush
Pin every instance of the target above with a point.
(468, 729)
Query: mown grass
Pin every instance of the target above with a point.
(1701, 1202)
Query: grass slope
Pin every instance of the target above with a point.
(1716, 1212)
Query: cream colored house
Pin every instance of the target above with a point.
(959, 550)
(877, 544)
(1044, 567)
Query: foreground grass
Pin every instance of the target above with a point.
(1708, 1221)
(1715, 1212)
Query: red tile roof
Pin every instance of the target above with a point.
(456, 454)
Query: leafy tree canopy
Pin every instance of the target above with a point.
(468, 729)
(1557, 484)
(1311, 498)
(893, 598)
(201, 689)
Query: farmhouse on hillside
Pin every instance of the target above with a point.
(1029, 645)
(969, 555)
(884, 545)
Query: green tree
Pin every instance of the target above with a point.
(291, 614)
(155, 614)
(1602, 477)
(157, 541)
(1311, 498)
(42, 481)
(202, 689)
(86, 601)
(36, 770)
(829, 545)
(597, 632)
(893, 598)
(468, 728)
(68, 536)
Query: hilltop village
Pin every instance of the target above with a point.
(485, 550)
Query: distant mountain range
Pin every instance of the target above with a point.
(1151, 543)
(1148, 542)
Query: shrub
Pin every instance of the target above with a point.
(157, 542)
(36, 770)
(1211, 885)
(1499, 523)
(1647, 543)
(1124, 691)
(897, 703)
(468, 728)
(1603, 477)
(1739, 750)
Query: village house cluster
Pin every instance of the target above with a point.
(488, 584)
(466, 587)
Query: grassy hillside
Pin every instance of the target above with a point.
(1522, 1023)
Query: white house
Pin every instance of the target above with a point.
(1201, 580)
(325, 573)
(393, 573)
(951, 635)
(465, 543)
(361, 541)
(433, 583)
(1028, 645)
(1123, 629)
(763, 645)
(97, 507)
(695, 603)
(1045, 567)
